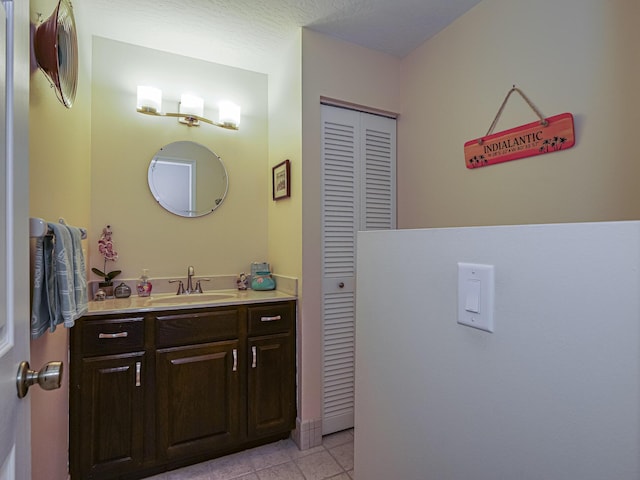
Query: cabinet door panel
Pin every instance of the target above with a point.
(198, 398)
(111, 409)
(271, 392)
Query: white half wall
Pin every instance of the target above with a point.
(552, 394)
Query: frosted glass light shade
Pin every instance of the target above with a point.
(229, 114)
(191, 105)
(149, 99)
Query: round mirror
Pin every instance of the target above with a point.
(188, 179)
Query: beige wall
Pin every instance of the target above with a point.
(124, 141)
(285, 142)
(59, 144)
(347, 72)
(577, 56)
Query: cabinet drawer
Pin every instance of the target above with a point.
(272, 318)
(200, 327)
(113, 335)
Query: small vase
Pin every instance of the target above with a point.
(122, 291)
(107, 288)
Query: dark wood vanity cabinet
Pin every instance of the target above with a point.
(271, 382)
(108, 396)
(198, 382)
(164, 389)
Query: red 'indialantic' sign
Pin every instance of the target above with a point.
(520, 142)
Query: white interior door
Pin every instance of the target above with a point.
(340, 172)
(358, 193)
(15, 461)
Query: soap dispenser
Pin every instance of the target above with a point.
(144, 285)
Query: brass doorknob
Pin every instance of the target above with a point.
(49, 377)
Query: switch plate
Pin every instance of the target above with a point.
(475, 296)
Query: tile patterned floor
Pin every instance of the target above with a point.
(277, 461)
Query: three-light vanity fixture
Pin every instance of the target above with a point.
(190, 110)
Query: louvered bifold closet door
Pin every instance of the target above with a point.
(378, 173)
(358, 185)
(340, 154)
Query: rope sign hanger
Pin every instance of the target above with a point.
(543, 122)
(545, 136)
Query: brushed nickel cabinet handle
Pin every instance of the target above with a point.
(270, 319)
(254, 353)
(113, 335)
(235, 360)
(138, 370)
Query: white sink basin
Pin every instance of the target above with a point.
(194, 298)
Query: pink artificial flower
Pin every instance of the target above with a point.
(105, 245)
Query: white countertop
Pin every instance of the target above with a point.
(146, 304)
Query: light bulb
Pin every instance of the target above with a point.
(229, 114)
(191, 105)
(149, 99)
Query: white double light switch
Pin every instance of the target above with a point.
(475, 296)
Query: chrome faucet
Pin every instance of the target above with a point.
(190, 287)
(190, 274)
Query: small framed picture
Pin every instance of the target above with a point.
(281, 180)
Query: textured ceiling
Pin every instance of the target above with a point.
(250, 33)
